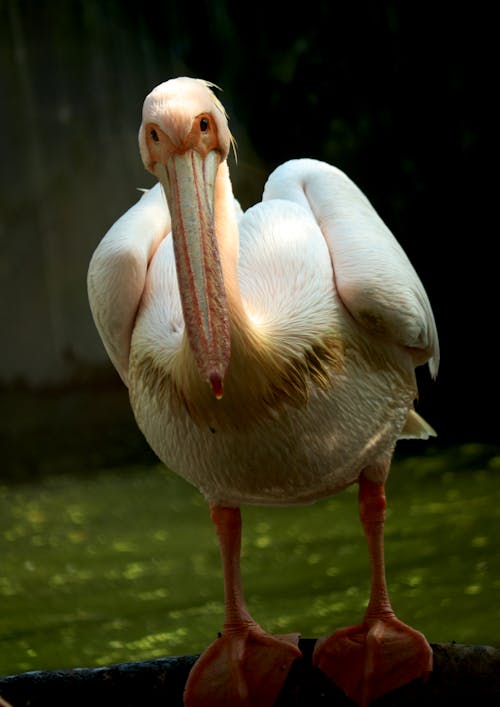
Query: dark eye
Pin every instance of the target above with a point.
(154, 135)
(204, 125)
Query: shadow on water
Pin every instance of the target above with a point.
(107, 556)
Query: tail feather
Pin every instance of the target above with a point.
(416, 427)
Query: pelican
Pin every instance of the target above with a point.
(270, 358)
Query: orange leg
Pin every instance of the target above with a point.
(381, 653)
(245, 666)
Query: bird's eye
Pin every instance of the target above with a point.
(204, 125)
(154, 135)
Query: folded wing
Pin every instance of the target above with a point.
(373, 276)
(118, 269)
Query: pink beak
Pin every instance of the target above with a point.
(189, 183)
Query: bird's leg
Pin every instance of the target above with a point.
(245, 665)
(381, 653)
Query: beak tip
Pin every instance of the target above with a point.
(216, 384)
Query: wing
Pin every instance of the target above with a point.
(117, 272)
(373, 276)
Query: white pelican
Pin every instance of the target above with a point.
(270, 359)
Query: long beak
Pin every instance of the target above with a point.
(189, 183)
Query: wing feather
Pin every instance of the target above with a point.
(373, 276)
(117, 272)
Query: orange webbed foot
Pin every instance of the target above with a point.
(374, 657)
(246, 667)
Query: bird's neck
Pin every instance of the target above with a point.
(227, 233)
(248, 341)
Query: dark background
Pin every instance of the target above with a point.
(398, 95)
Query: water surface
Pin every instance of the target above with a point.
(123, 565)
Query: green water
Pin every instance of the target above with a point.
(123, 564)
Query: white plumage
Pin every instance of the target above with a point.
(315, 260)
(270, 356)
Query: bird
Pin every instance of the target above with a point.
(270, 359)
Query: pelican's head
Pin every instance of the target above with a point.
(183, 138)
(179, 115)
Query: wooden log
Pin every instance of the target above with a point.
(462, 675)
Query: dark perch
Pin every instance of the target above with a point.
(463, 675)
